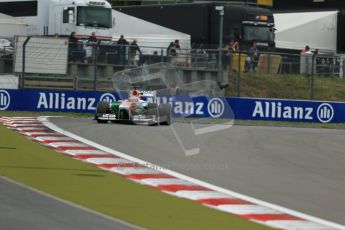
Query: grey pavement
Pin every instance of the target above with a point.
(299, 168)
(23, 208)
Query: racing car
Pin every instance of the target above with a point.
(134, 110)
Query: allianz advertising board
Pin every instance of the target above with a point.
(203, 107)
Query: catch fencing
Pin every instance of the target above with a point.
(94, 67)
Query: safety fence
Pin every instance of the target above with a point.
(325, 64)
(53, 63)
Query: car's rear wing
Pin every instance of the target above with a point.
(149, 96)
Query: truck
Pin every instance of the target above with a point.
(49, 17)
(244, 23)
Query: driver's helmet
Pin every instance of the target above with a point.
(135, 96)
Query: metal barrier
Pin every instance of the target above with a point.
(93, 67)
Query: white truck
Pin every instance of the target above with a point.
(49, 17)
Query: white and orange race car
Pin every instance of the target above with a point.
(135, 110)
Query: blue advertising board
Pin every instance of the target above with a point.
(52, 101)
(203, 107)
(288, 110)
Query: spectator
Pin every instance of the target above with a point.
(133, 52)
(92, 39)
(56, 35)
(229, 50)
(155, 57)
(122, 43)
(173, 50)
(306, 50)
(173, 89)
(177, 44)
(73, 47)
(72, 38)
(306, 60)
(91, 42)
(252, 57)
(122, 40)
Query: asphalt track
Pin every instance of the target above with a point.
(23, 208)
(299, 168)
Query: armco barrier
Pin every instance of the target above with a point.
(237, 108)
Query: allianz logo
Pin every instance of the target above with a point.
(5, 100)
(61, 101)
(324, 112)
(215, 107)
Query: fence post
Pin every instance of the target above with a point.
(343, 67)
(220, 53)
(94, 58)
(162, 55)
(21, 84)
(334, 60)
(195, 58)
(75, 83)
(128, 55)
(268, 63)
(312, 78)
(239, 73)
(220, 67)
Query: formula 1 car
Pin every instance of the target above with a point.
(134, 110)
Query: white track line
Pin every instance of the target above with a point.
(164, 181)
(200, 195)
(81, 152)
(193, 180)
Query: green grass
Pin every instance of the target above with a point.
(37, 166)
(291, 124)
(287, 87)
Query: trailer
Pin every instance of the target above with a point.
(49, 17)
(319, 30)
(201, 21)
(152, 38)
(10, 26)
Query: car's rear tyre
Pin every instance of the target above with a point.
(152, 105)
(151, 109)
(102, 108)
(164, 112)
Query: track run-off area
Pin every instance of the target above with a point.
(301, 169)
